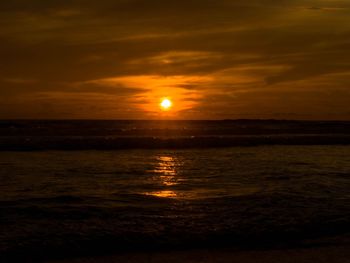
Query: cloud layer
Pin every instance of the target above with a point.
(217, 59)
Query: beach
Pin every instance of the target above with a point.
(334, 254)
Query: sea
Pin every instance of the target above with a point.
(87, 187)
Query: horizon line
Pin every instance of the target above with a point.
(225, 119)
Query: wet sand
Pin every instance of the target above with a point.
(329, 254)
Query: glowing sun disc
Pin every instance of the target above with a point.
(166, 104)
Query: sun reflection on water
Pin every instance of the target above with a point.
(167, 170)
(165, 194)
(166, 173)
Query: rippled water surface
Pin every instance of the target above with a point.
(178, 174)
(58, 199)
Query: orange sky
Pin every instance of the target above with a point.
(85, 59)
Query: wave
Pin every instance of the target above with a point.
(252, 221)
(34, 143)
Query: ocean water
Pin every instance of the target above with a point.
(57, 203)
(114, 135)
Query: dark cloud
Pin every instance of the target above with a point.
(257, 51)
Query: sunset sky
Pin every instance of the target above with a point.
(219, 59)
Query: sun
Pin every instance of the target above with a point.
(165, 104)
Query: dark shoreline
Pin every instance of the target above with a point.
(322, 254)
(113, 248)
